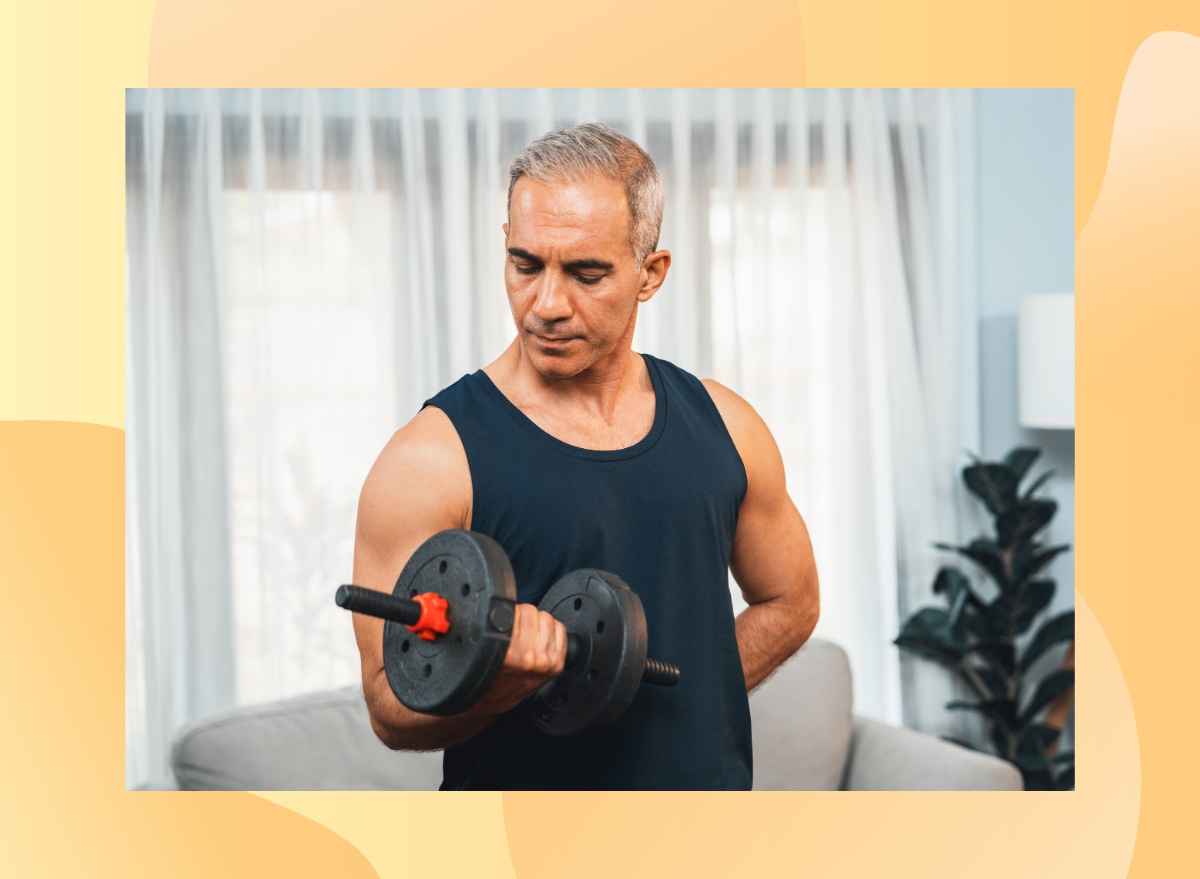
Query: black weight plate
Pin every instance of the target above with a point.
(449, 674)
(597, 690)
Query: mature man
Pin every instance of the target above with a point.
(572, 451)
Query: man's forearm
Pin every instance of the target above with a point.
(770, 632)
(402, 729)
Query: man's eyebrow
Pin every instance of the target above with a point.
(572, 266)
(577, 264)
(522, 254)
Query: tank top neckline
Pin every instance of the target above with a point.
(525, 423)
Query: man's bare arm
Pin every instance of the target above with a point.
(772, 558)
(420, 485)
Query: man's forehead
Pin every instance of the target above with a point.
(592, 210)
(562, 194)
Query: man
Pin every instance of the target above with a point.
(573, 451)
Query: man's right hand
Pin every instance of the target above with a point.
(536, 654)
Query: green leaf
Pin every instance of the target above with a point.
(998, 653)
(993, 681)
(1031, 601)
(1036, 780)
(1053, 631)
(1028, 562)
(1020, 459)
(1035, 740)
(1023, 520)
(985, 553)
(1052, 685)
(1002, 712)
(950, 582)
(1037, 483)
(994, 484)
(978, 623)
(929, 632)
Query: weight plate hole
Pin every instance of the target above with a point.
(578, 603)
(404, 647)
(599, 627)
(466, 589)
(428, 670)
(441, 567)
(458, 639)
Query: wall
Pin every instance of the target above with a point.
(1024, 203)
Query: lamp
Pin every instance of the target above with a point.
(1046, 361)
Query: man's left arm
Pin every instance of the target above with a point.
(772, 558)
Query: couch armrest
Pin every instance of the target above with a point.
(884, 757)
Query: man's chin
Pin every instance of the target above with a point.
(555, 364)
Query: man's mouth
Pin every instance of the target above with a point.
(553, 341)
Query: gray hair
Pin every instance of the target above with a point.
(583, 151)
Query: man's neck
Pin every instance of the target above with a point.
(611, 408)
(595, 393)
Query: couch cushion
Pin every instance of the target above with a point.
(802, 721)
(320, 741)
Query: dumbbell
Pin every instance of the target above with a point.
(449, 622)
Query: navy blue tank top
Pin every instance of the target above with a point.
(661, 515)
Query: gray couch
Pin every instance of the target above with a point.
(806, 737)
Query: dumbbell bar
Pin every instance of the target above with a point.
(456, 595)
(426, 615)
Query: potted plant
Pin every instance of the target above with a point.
(977, 635)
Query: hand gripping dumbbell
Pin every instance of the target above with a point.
(449, 622)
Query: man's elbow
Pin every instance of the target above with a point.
(386, 734)
(807, 616)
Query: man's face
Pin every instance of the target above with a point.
(573, 286)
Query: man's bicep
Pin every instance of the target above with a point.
(419, 485)
(772, 553)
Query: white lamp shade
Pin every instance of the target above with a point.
(1046, 360)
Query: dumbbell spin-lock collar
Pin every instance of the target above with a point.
(424, 614)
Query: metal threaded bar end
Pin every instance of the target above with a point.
(661, 674)
(378, 604)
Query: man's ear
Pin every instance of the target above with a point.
(505, 228)
(654, 272)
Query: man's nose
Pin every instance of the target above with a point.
(553, 301)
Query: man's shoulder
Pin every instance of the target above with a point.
(423, 463)
(429, 439)
(746, 427)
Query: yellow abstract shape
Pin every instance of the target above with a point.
(414, 833)
(62, 270)
(1086, 833)
(534, 43)
(1138, 317)
(65, 810)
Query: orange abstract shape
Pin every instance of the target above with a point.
(1021, 43)
(1137, 321)
(621, 43)
(65, 809)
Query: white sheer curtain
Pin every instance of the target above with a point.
(306, 267)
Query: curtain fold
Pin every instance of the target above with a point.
(306, 267)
